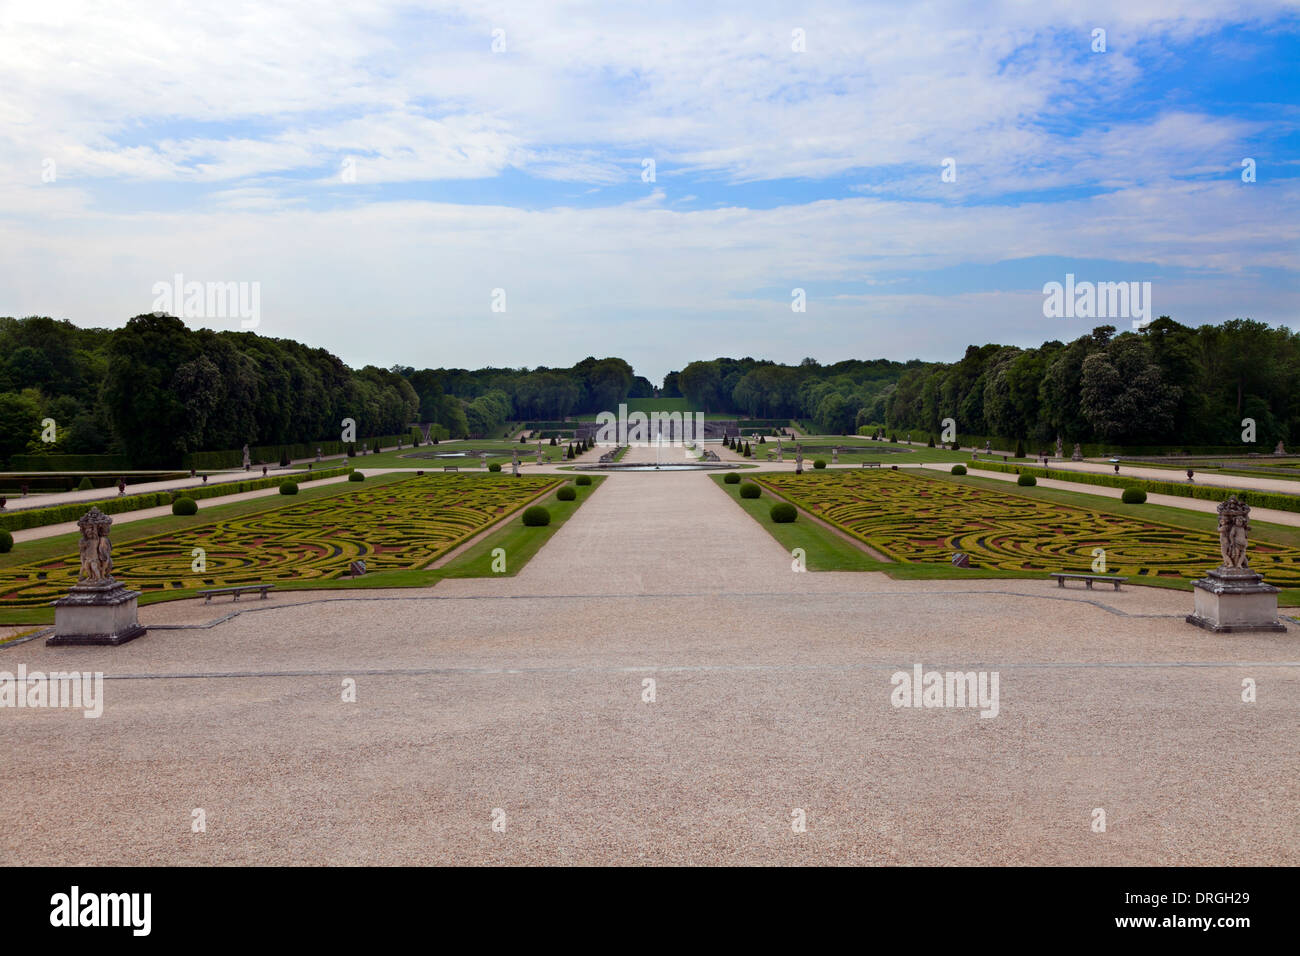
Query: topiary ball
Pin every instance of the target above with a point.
(1026, 481)
(783, 512)
(536, 517)
(6, 542)
(495, 466)
(567, 493)
(1134, 496)
(356, 476)
(959, 469)
(583, 480)
(731, 478)
(750, 490)
(85, 485)
(819, 463)
(185, 506)
(288, 487)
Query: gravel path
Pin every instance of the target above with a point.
(772, 693)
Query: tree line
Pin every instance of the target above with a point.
(156, 390)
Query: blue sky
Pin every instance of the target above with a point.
(379, 170)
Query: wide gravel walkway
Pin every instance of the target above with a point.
(525, 698)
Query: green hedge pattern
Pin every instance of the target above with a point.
(57, 514)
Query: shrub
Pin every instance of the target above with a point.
(931, 441)
(185, 506)
(1134, 496)
(959, 469)
(783, 512)
(356, 476)
(731, 478)
(1020, 448)
(552, 441)
(567, 493)
(352, 451)
(1026, 481)
(819, 463)
(85, 485)
(536, 517)
(284, 461)
(495, 466)
(750, 490)
(582, 480)
(762, 440)
(6, 542)
(289, 488)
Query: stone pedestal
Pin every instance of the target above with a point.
(1230, 600)
(101, 613)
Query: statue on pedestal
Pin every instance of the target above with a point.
(514, 463)
(1078, 453)
(780, 455)
(98, 609)
(1279, 450)
(1233, 597)
(247, 460)
(1060, 449)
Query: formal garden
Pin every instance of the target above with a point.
(913, 518)
(402, 522)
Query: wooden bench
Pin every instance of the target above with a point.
(450, 468)
(236, 591)
(871, 464)
(1062, 576)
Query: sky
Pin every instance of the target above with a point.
(523, 184)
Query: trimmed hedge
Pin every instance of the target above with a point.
(57, 514)
(85, 485)
(1026, 481)
(6, 542)
(356, 476)
(185, 507)
(783, 512)
(288, 487)
(494, 466)
(959, 469)
(1256, 499)
(536, 517)
(819, 463)
(582, 480)
(567, 493)
(731, 478)
(1134, 496)
(750, 490)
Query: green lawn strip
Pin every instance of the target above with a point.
(824, 550)
(519, 542)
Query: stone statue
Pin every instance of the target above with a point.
(835, 455)
(247, 460)
(988, 447)
(318, 453)
(482, 458)
(798, 459)
(1060, 449)
(1078, 453)
(539, 453)
(1279, 450)
(1234, 530)
(96, 549)
(514, 463)
(780, 455)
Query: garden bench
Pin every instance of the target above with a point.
(236, 591)
(450, 468)
(871, 464)
(1061, 577)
